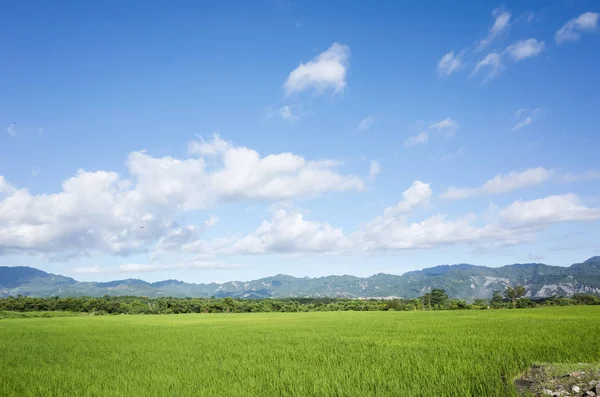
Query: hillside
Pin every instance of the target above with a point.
(462, 281)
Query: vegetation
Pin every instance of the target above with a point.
(444, 353)
(437, 299)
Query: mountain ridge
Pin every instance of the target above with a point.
(463, 281)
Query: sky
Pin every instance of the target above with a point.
(233, 140)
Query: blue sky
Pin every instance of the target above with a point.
(211, 142)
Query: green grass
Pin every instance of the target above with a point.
(466, 353)
(8, 314)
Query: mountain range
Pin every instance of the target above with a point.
(461, 281)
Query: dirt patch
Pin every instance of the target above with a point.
(560, 380)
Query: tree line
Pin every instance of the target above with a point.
(436, 299)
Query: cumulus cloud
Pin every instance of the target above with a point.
(325, 72)
(548, 210)
(374, 169)
(572, 30)
(102, 212)
(502, 184)
(523, 49)
(290, 232)
(448, 64)
(418, 194)
(492, 63)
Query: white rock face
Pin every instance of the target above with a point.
(565, 289)
(491, 280)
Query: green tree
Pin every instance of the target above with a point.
(513, 294)
(496, 300)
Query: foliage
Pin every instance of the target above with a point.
(514, 294)
(437, 299)
(444, 353)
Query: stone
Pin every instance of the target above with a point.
(590, 393)
(547, 392)
(576, 389)
(597, 389)
(576, 374)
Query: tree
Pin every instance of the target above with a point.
(513, 294)
(435, 298)
(496, 299)
(480, 303)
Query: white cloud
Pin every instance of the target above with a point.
(502, 184)
(417, 195)
(527, 17)
(374, 169)
(586, 176)
(326, 71)
(548, 210)
(523, 123)
(448, 64)
(287, 113)
(214, 147)
(572, 30)
(493, 63)
(11, 130)
(211, 221)
(447, 126)
(418, 139)
(136, 268)
(366, 123)
(5, 187)
(527, 120)
(142, 268)
(523, 49)
(501, 23)
(87, 270)
(289, 232)
(521, 111)
(101, 212)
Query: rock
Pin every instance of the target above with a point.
(590, 393)
(597, 389)
(576, 374)
(547, 392)
(576, 389)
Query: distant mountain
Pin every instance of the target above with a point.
(462, 281)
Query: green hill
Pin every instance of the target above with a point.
(461, 281)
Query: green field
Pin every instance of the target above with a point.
(452, 353)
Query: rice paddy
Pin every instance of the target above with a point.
(452, 353)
